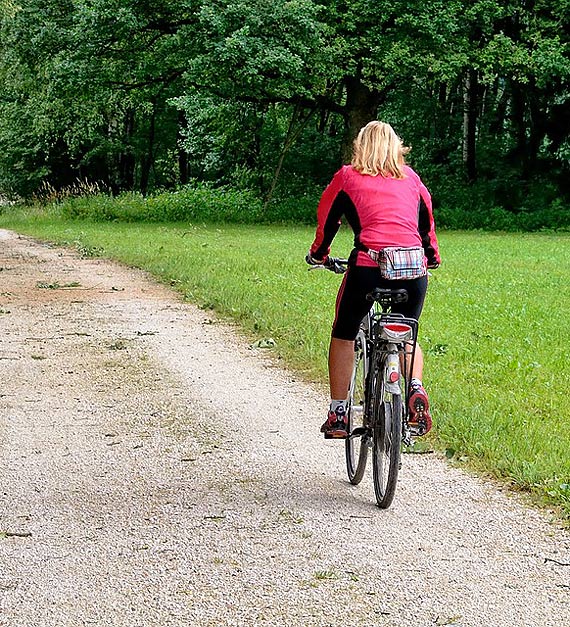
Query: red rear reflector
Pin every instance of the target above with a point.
(398, 328)
(394, 376)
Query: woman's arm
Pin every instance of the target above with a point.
(331, 207)
(426, 228)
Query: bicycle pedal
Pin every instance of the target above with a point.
(336, 436)
(417, 429)
(358, 432)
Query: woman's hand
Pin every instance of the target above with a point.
(314, 262)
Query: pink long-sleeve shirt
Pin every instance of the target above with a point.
(382, 211)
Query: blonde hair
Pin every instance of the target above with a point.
(378, 150)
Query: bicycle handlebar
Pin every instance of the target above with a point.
(334, 264)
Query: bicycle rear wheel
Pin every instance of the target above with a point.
(387, 436)
(358, 442)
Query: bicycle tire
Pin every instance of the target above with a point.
(356, 447)
(386, 441)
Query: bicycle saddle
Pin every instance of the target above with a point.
(387, 296)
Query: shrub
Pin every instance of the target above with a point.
(199, 202)
(556, 218)
(465, 209)
(486, 205)
(294, 210)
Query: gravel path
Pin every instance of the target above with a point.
(150, 477)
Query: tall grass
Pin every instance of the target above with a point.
(494, 327)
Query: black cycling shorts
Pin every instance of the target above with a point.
(352, 306)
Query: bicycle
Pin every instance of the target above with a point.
(377, 406)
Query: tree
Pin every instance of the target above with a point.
(337, 60)
(95, 78)
(143, 95)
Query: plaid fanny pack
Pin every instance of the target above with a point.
(400, 263)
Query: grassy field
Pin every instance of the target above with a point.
(495, 327)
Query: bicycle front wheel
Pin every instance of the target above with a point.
(358, 441)
(387, 436)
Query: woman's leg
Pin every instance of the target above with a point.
(419, 414)
(341, 361)
(418, 403)
(351, 307)
(418, 368)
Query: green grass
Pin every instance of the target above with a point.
(495, 326)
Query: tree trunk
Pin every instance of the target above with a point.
(537, 130)
(183, 170)
(148, 159)
(441, 126)
(296, 125)
(518, 120)
(500, 101)
(127, 158)
(470, 108)
(361, 107)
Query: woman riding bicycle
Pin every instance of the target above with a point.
(386, 204)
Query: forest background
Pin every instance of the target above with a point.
(249, 106)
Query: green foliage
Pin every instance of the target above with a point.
(199, 202)
(267, 95)
(262, 50)
(293, 209)
(476, 206)
(461, 208)
(554, 218)
(85, 90)
(8, 8)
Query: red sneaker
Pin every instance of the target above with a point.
(336, 425)
(419, 417)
